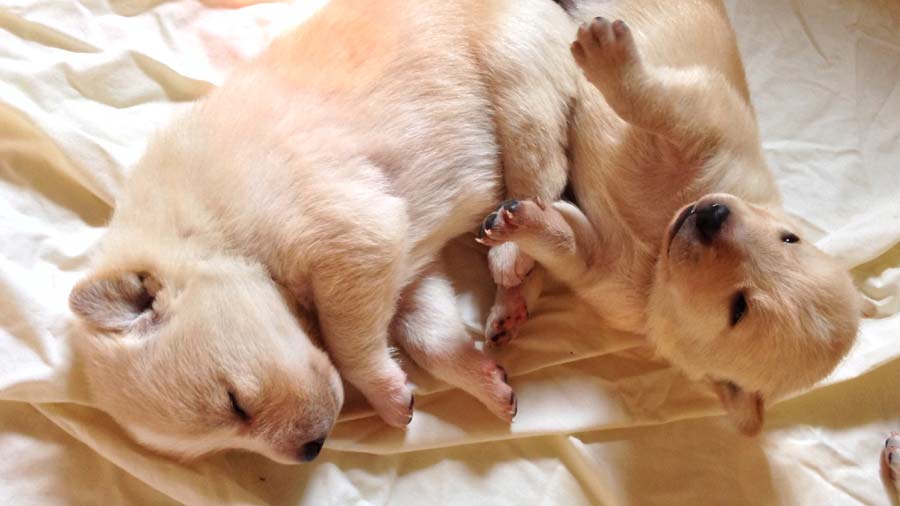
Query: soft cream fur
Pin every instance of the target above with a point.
(310, 195)
(664, 122)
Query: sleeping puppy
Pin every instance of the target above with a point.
(276, 234)
(679, 234)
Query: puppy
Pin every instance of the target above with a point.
(275, 235)
(679, 234)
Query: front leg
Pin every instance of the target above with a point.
(558, 236)
(355, 294)
(693, 107)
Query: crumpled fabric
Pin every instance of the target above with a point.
(601, 421)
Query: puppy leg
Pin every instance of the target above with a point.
(355, 294)
(430, 329)
(509, 265)
(562, 240)
(693, 107)
(511, 308)
(532, 90)
(558, 236)
(532, 114)
(515, 274)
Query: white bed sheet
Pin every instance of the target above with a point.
(83, 84)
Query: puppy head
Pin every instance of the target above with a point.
(739, 298)
(197, 358)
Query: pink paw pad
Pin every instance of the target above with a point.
(504, 322)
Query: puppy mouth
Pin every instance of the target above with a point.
(678, 223)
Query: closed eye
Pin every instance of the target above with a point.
(236, 407)
(738, 308)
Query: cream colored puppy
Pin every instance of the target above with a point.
(309, 197)
(679, 233)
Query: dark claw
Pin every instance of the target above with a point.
(412, 403)
(503, 373)
(600, 19)
(489, 222)
(496, 337)
(514, 402)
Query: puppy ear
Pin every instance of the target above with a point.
(114, 301)
(745, 409)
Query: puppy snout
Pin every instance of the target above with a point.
(710, 219)
(310, 450)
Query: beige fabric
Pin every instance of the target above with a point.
(82, 84)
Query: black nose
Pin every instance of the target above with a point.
(710, 219)
(311, 450)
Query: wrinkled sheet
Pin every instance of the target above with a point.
(83, 84)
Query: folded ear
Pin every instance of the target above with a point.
(745, 409)
(114, 301)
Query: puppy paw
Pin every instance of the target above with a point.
(392, 400)
(501, 398)
(607, 54)
(480, 376)
(509, 265)
(509, 312)
(604, 47)
(510, 218)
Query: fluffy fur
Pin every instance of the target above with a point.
(285, 226)
(663, 125)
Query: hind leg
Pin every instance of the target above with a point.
(559, 236)
(511, 307)
(430, 329)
